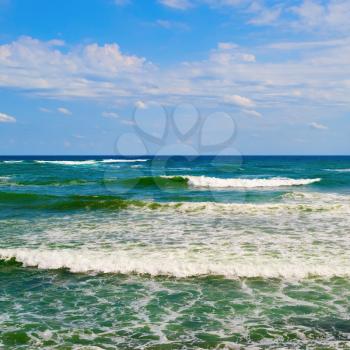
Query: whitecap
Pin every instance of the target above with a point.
(12, 161)
(176, 263)
(213, 182)
(123, 160)
(339, 170)
(66, 162)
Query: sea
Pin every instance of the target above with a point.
(106, 252)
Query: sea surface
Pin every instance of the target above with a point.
(175, 253)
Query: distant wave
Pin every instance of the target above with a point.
(213, 182)
(176, 263)
(123, 160)
(339, 170)
(66, 162)
(12, 161)
(89, 162)
(5, 178)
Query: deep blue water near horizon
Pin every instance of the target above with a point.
(105, 252)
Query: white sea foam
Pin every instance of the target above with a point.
(4, 178)
(67, 162)
(123, 160)
(177, 263)
(89, 162)
(213, 182)
(339, 170)
(12, 161)
(240, 208)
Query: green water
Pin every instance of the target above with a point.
(98, 255)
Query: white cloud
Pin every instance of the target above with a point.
(228, 53)
(83, 71)
(318, 126)
(227, 46)
(112, 115)
(307, 45)
(315, 74)
(5, 118)
(239, 101)
(176, 4)
(266, 16)
(64, 111)
(252, 113)
(329, 15)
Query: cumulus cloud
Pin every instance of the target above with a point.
(6, 118)
(239, 101)
(318, 126)
(328, 15)
(64, 111)
(230, 73)
(84, 71)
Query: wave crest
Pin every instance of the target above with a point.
(176, 264)
(213, 182)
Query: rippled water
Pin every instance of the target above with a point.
(203, 253)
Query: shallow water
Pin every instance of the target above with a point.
(199, 253)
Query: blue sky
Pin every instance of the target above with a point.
(99, 76)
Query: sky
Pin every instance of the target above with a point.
(120, 77)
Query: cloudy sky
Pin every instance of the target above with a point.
(75, 76)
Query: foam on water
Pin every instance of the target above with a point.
(12, 161)
(283, 253)
(177, 263)
(89, 162)
(123, 160)
(213, 182)
(339, 170)
(66, 162)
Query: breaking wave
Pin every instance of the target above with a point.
(37, 201)
(339, 170)
(178, 263)
(213, 182)
(12, 161)
(89, 162)
(66, 162)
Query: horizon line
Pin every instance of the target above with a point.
(174, 155)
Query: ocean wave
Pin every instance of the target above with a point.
(113, 203)
(123, 160)
(89, 162)
(12, 161)
(179, 263)
(66, 162)
(339, 170)
(213, 182)
(5, 178)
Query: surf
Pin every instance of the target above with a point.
(179, 264)
(214, 182)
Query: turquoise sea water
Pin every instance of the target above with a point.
(175, 253)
